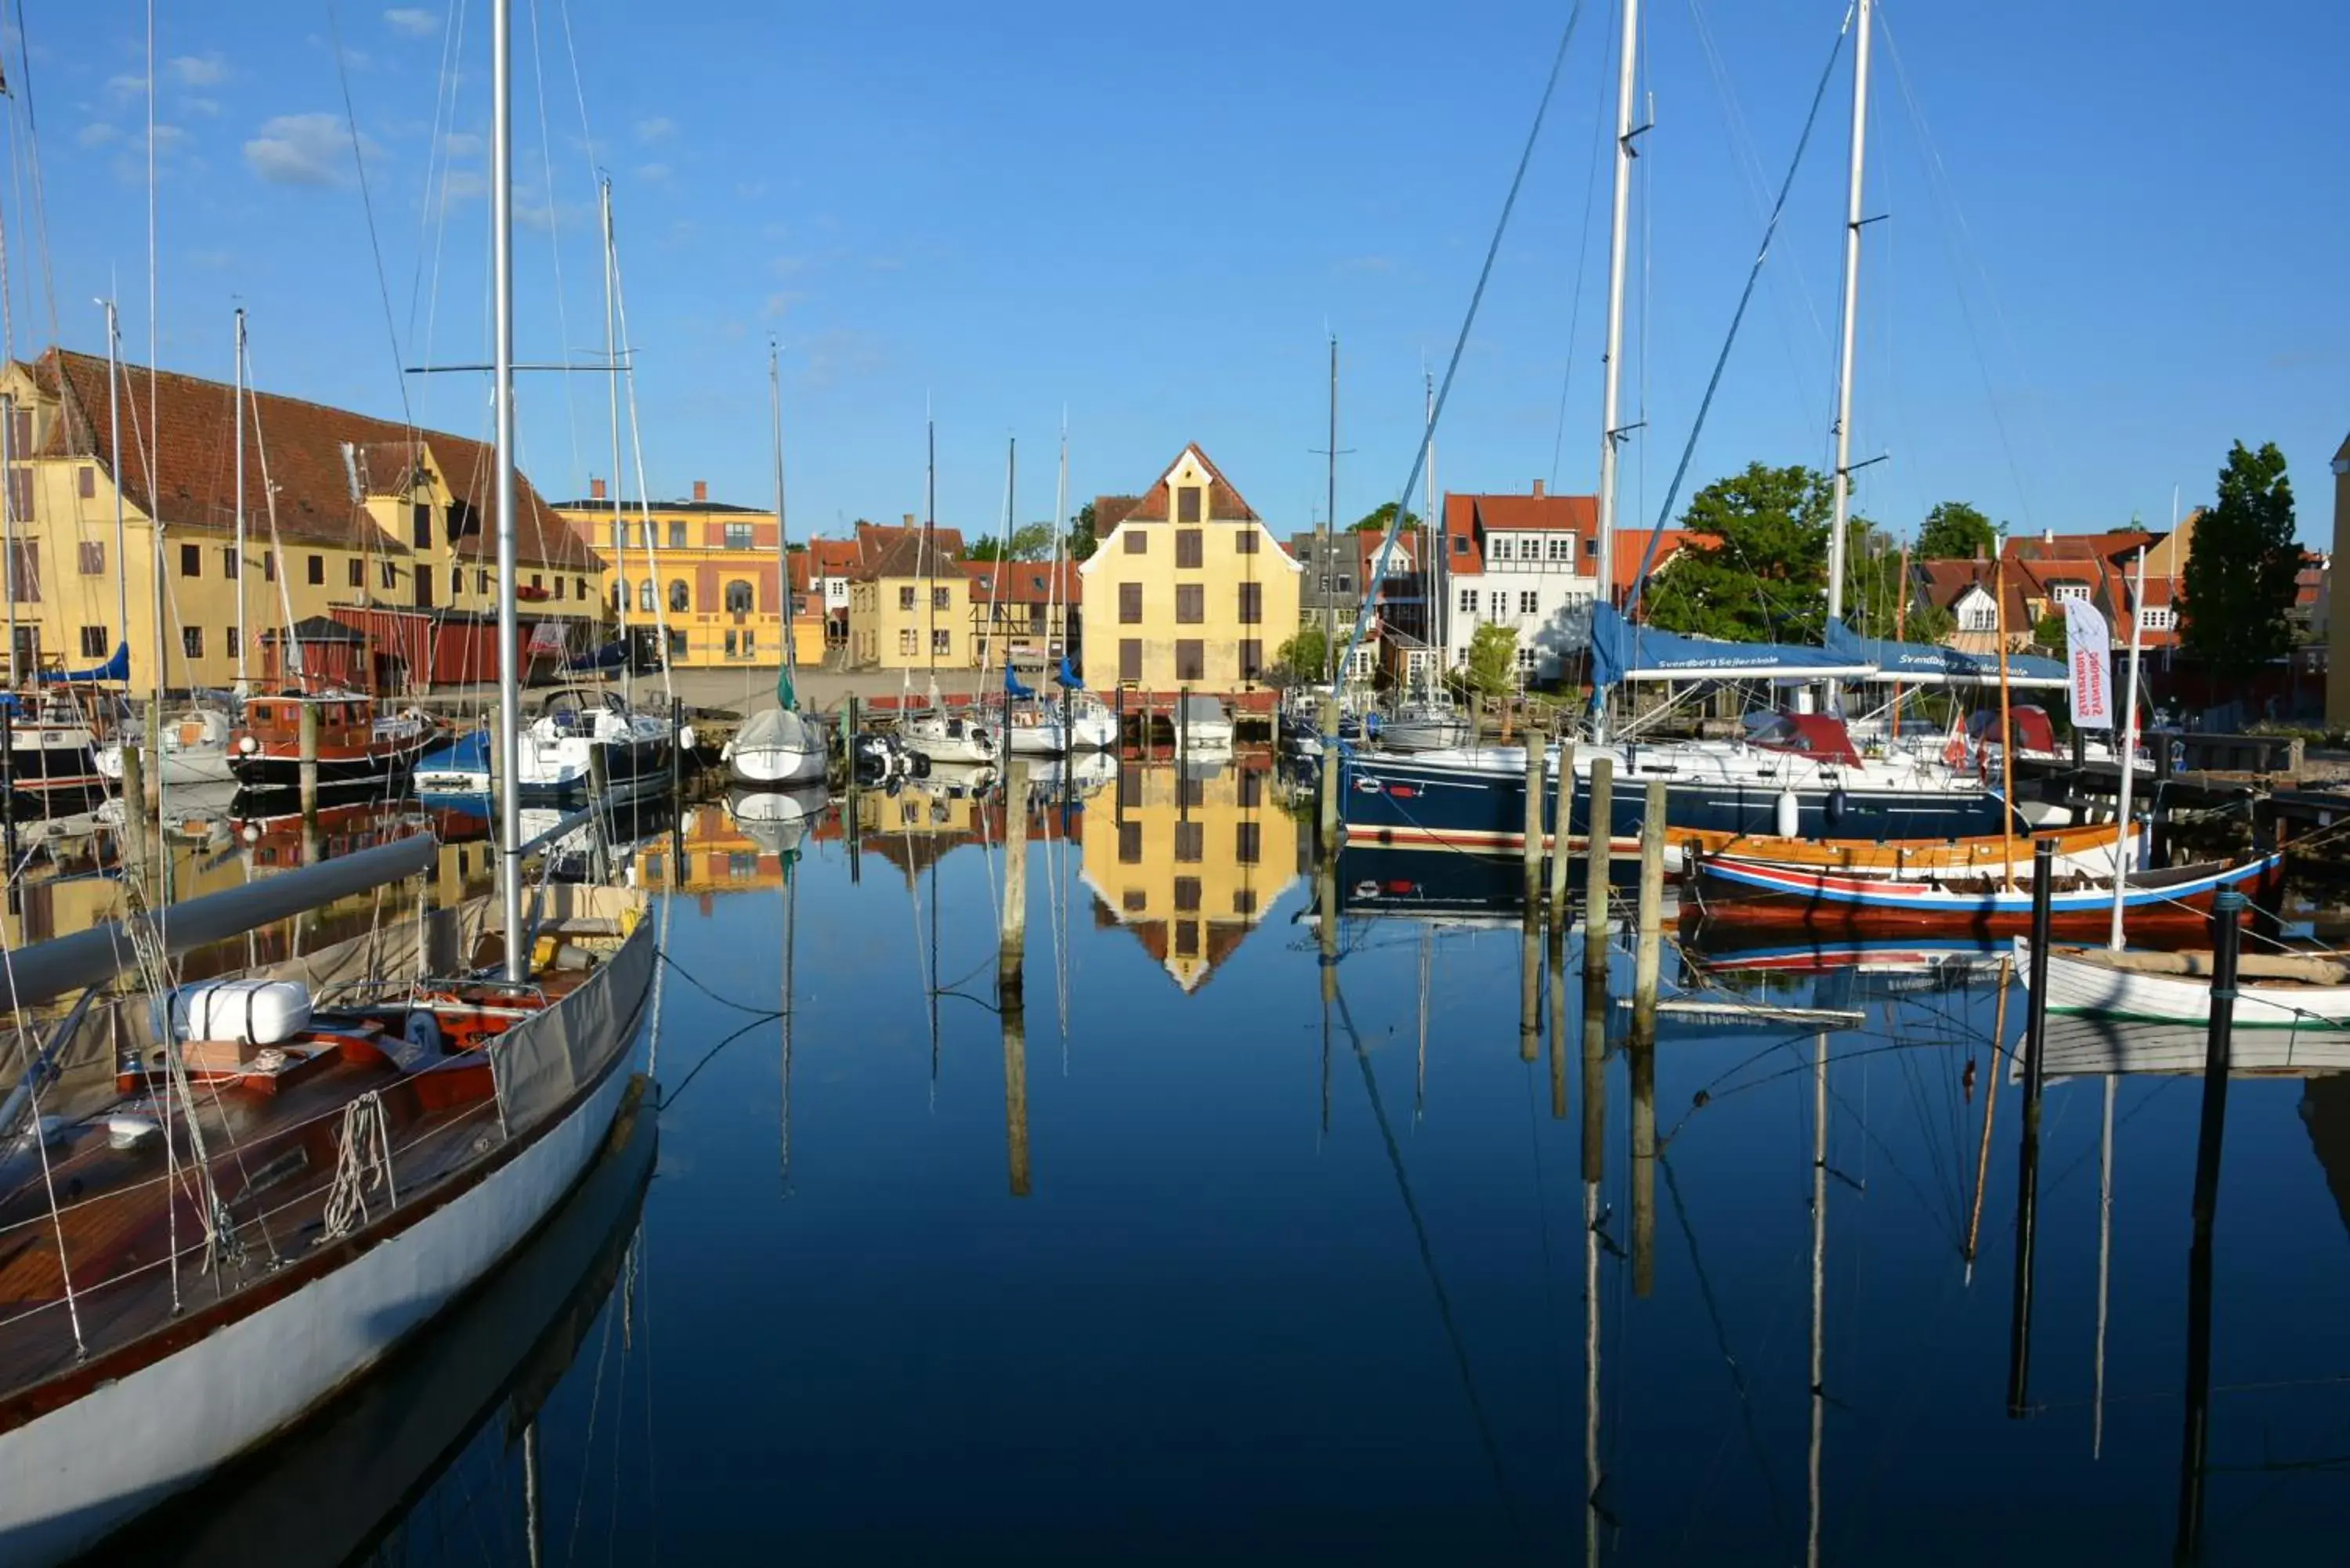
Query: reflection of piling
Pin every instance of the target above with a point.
(1012, 941)
(9, 791)
(2217, 1047)
(852, 817)
(1530, 984)
(1557, 1028)
(1601, 832)
(1642, 1051)
(1015, 1094)
(677, 742)
(1562, 803)
(2027, 1171)
(1532, 859)
(1595, 1074)
(1990, 1109)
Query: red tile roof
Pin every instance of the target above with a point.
(907, 555)
(1157, 504)
(1632, 544)
(1528, 514)
(314, 455)
(834, 557)
(1025, 582)
(874, 538)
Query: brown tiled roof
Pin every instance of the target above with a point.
(1632, 545)
(1023, 582)
(874, 538)
(834, 557)
(905, 556)
(1157, 503)
(1460, 523)
(2114, 545)
(1110, 511)
(1529, 514)
(315, 453)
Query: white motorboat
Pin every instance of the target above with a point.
(1429, 724)
(632, 747)
(196, 749)
(946, 737)
(1202, 725)
(1032, 732)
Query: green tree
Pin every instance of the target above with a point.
(1764, 579)
(1029, 541)
(2240, 568)
(1375, 520)
(1493, 663)
(1874, 590)
(1307, 656)
(1081, 540)
(1954, 531)
(2048, 633)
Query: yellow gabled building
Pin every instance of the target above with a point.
(703, 570)
(1188, 588)
(909, 607)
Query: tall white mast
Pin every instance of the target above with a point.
(620, 518)
(114, 446)
(1619, 226)
(1433, 547)
(1843, 477)
(509, 734)
(9, 518)
(787, 696)
(243, 628)
(2125, 752)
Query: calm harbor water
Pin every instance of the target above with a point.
(1212, 1249)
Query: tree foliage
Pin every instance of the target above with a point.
(1873, 590)
(1377, 519)
(1954, 531)
(1029, 541)
(1081, 540)
(1493, 663)
(1307, 656)
(1764, 578)
(2048, 633)
(2242, 566)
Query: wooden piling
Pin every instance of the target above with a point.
(1562, 805)
(2218, 1044)
(1012, 940)
(2027, 1173)
(1530, 852)
(133, 852)
(1601, 833)
(1650, 950)
(307, 753)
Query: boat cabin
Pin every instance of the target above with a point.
(1820, 736)
(345, 719)
(2032, 729)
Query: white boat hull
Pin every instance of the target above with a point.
(1045, 738)
(185, 765)
(774, 764)
(70, 1478)
(2083, 988)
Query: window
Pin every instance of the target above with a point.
(1252, 790)
(86, 483)
(1129, 604)
(1562, 547)
(317, 571)
(676, 534)
(559, 583)
(942, 641)
(1461, 543)
(730, 646)
(419, 525)
(424, 586)
(676, 646)
(1468, 601)
(1251, 604)
(24, 572)
(1186, 503)
(1526, 656)
(906, 597)
(391, 576)
(1591, 549)
(1189, 552)
(1190, 792)
(941, 598)
(653, 534)
(1190, 843)
(644, 593)
(1244, 900)
(1191, 604)
(909, 641)
(93, 558)
(2061, 592)
(1130, 843)
(1500, 602)
(1187, 939)
(1187, 894)
(1137, 541)
(581, 585)
(1248, 842)
(1252, 659)
(2158, 617)
(1346, 584)
(358, 572)
(1191, 663)
(1244, 542)
(1499, 548)
(1978, 618)
(229, 563)
(192, 560)
(269, 566)
(93, 638)
(738, 598)
(1529, 602)
(680, 599)
(750, 642)
(228, 638)
(537, 580)
(1129, 659)
(192, 641)
(1134, 900)
(738, 536)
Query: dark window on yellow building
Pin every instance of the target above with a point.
(680, 599)
(537, 580)
(1190, 792)
(1248, 842)
(1186, 503)
(1129, 604)
(941, 598)
(192, 641)
(86, 483)
(93, 638)
(1187, 894)
(1190, 843)
(1129, 784)
(1137, 541)
(1244, 900)
(1130, 843)
(1189, 553)
(419, 525)
(1187, 939)
(93, 558)
(677, 535)
(1252, 659)
(1134, 900)
(269, 566)
(359, 572)
(738, 536)
(391, 576)
(738, 598)
(229, 563)
(1189, 661)
(1252, 790)
(317, 571)
(1244, 542)
(558, 585)
(1191, 604)
(192, 560)
(581, 584)
(424, 586)
(1251, 604)
(1129, 659)
(906, 597)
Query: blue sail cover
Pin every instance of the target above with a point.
(115, 669)
(1068, 677)
(611, 656)
(1013, 687)
(1928, 664)
(1621, 651)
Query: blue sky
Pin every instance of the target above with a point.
(2115, 238)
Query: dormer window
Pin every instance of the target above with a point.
(2061, 592)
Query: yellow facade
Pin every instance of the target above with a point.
(912, 623)
(706, 573)
(1189, 590)
(1189, 865)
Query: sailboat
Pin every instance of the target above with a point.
(1080, 720)
(935, 733)
(777, 745)
(188, 1274)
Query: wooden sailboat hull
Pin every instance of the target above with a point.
(1733, 890)
(2090, 850)
(87, 1450)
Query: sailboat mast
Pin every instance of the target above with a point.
(1003, 560)
(783, 534)
(114, 445)
(8, 519)
(1330, 533)
(1619, 230)
(1055, 618)
(2126, 752)
(243, 627)
(925, 553)
(1431, 536)
(509, 733)
(1842, 480)
(620, 518)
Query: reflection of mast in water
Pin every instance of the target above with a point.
(1420, 1069)
(791, 933)
(1595, 1157)
(1991, 1105)
(533, 1523)
(1819, 1286)
(2105, 1262)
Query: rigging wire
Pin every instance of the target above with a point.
(367, 206)
(1599, 139)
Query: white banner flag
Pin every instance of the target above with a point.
(2089, 651)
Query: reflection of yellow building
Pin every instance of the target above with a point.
(707, 569)
(1189, 865)
(909, 608)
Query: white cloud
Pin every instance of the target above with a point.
(96, 134)
(460, 186)
(203, 105)
(653, 173)
(304, 150)
(660, 127)
(126, 86)
(199, 70)
(413, 21)
(461, 144)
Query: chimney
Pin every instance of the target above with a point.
(2048, 535)
(701, 491)
(595, 490)
(909, 519)
(1538, 489)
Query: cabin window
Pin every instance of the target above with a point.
(1191, 663)
(93, 638)
(192, 560)
(93, 558)
(680, 599)
(1191, 604)
(192, 641)
(358, 572)
(1189, 552)
(738, 536)
(1138, 543)
(1244, 542)
(738, 598)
